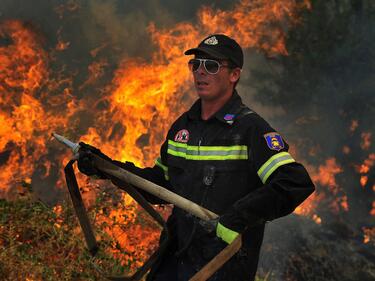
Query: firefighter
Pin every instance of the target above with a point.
(224, 156)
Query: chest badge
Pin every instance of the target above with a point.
(229, 118)
(274, 141)
(182, 136)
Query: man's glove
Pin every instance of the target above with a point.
(222, 232)
(209, 225)
(86, 163)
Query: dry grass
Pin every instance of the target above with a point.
(38, 242)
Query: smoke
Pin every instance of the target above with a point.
(314, 94)
(119, 25)
(251, 88)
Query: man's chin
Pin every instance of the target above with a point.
(203, 94)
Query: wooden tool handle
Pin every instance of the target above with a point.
(218, 261)
(157, 190)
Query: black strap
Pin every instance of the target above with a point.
(87, 230)
(155, 215)
(79, 208)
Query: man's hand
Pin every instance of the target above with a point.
(210, 225)
(86, 161)
(222, 232)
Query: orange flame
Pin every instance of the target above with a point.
(23, 70)
(366, 140)
(368, 234)
(353, 126)
(325, 175)
(346, 149)
(25, 121)
(365, 167)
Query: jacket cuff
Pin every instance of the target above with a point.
(225, 233)
(238, 222)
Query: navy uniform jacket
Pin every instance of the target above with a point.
(235, 165)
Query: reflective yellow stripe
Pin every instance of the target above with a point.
(273, 163)
(193, 152)
(225, 234)
(206, 148)
(165, 168)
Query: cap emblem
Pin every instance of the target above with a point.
(211, 41)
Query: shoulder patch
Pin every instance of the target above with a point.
(274, 141)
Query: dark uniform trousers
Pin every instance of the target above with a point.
(234, 164)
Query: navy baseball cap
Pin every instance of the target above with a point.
(219, 46)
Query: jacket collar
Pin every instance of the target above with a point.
(226, 114)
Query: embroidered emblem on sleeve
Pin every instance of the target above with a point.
(182, 136)
(274, 141)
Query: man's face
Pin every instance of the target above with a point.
(214, 86)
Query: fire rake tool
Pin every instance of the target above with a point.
(122, 175)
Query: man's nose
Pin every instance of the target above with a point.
(201, 70)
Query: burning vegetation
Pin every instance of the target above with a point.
(123, 98)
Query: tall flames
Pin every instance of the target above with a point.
(24, 69)
(28, 112)
(138, 105)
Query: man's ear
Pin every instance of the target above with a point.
(235, 75)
